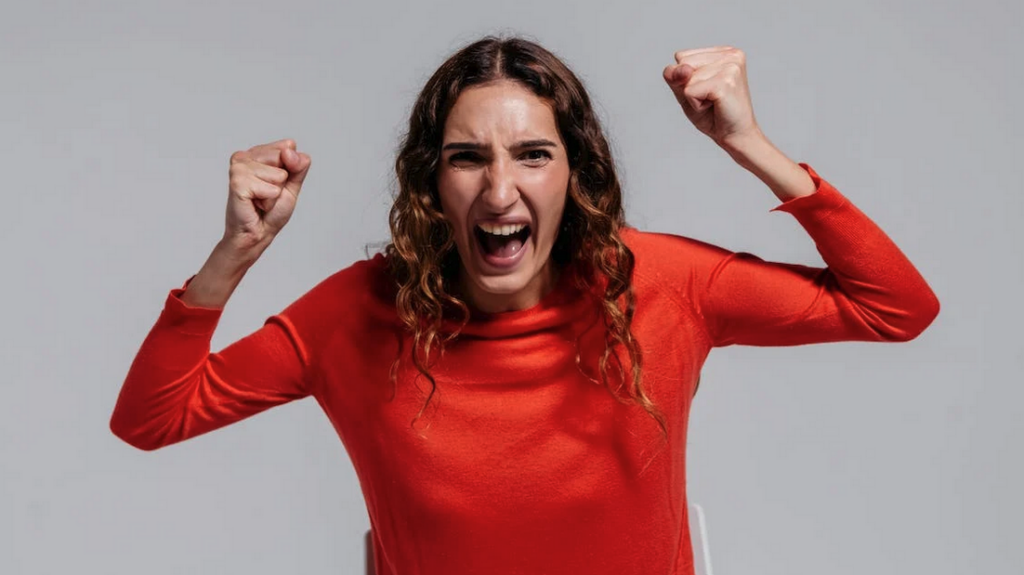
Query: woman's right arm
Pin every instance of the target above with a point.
(176, 388)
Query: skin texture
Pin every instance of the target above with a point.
(501, 178)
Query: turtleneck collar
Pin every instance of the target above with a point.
(563, 305)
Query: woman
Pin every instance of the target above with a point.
(512, 377)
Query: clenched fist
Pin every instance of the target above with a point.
(263, 187)
(711, 86)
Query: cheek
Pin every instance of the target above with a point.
(550, 193)
(455, 197)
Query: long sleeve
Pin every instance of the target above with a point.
(868, 291)
(176, 389)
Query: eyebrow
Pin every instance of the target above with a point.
(539, 143)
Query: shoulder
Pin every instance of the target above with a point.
(346, 291)
(668, 255)
(366, 274)
(673, 266)
(669, 272)
(345, 309)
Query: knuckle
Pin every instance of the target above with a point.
(238, 156)
(240, 167)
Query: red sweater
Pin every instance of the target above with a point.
(526, 466)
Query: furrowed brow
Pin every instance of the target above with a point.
(539, 143)
(464, 146)
(476, 146)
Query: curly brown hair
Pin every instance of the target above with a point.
(421, 255)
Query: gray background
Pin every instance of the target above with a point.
(846, 458)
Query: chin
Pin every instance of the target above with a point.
(507, 284)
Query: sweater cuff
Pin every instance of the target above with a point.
(187, 318)
(824, 198)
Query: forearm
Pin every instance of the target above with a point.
(782, 175)
(220, 275)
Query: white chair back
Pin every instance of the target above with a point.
(699, 540)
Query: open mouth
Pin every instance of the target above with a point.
(502, 241)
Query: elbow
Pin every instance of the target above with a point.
(922, 315)
(132, 435)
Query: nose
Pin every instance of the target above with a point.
(500, 191)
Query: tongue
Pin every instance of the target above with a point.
(502, 246)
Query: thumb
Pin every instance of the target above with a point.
(297, 164)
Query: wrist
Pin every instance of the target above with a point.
(237, 253)
(749, 150)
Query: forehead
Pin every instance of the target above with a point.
(505, 110)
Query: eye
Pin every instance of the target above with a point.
(537, 156)
(464, 158)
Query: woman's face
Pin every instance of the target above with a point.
(503, 181)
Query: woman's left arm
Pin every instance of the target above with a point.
(869, 289)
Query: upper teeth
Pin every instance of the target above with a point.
(502, 230)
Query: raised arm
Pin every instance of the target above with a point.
(175, 388)
(868, 290)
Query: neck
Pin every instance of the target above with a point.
(534, 291)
